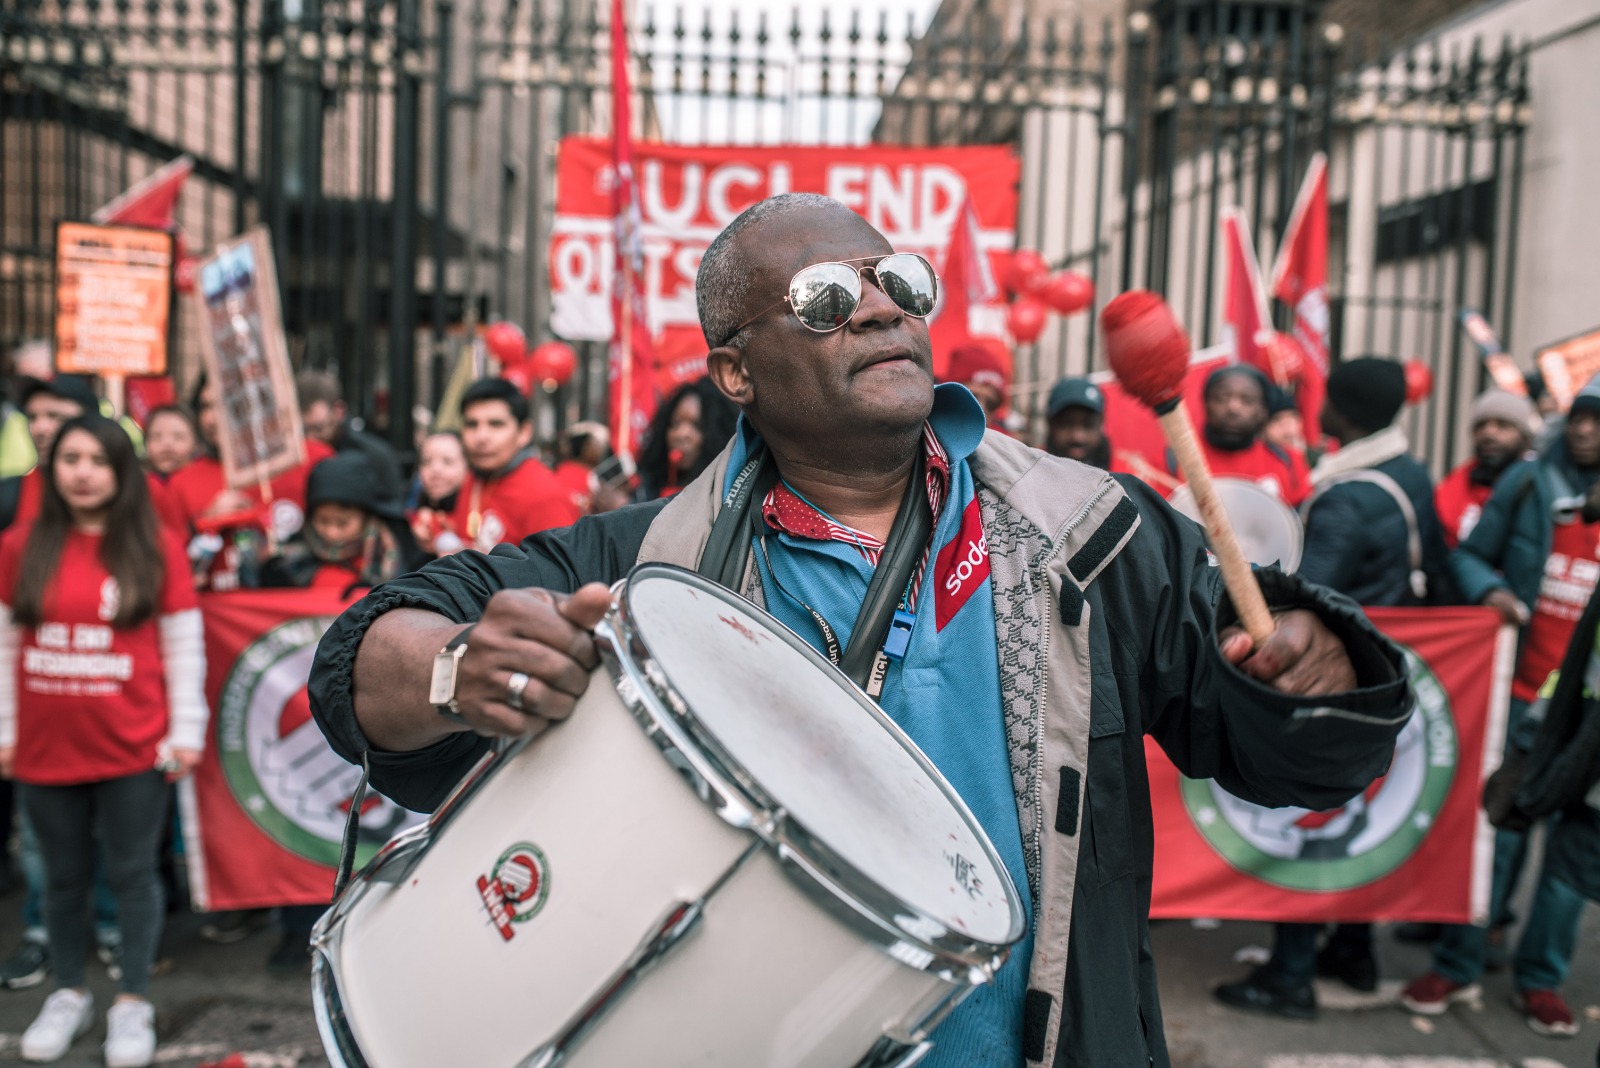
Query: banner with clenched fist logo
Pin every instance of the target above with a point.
(1415, 845)
(264, 813)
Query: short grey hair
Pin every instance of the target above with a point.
(723, 281)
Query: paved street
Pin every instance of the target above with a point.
(218, 1000)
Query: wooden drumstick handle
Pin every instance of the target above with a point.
(1243, 589)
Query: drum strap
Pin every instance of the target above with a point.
(352, 828)
(727, 553)
(908, 538)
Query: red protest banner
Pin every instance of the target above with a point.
(688, 193)
(1413, 846)
(264, 813)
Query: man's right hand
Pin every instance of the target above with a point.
(1505, 602)
(546, 636)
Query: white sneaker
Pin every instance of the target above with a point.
(65, 1018)
(130, 1034)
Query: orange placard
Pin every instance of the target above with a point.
(1568, 365)
(113, 299)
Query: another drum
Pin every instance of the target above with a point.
(1269, 531)
(727, 856)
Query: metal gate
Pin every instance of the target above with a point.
(402, 153)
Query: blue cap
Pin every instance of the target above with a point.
(1075, 393)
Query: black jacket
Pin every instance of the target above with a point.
(1153, 614)
(1356, 540)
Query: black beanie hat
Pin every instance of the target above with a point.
(1369, 391)
(1243, 370)
(347, 478)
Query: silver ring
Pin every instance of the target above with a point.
(514, 687)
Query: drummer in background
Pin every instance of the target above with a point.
(1236, 414)
(1358, 542)
(1503, 428)
(816, 333)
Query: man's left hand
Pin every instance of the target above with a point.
(1303, 657)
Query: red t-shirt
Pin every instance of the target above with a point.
(193, 489)
(574, 477)
(168, 512)
(1570, 575)
(91, 698)
(1459, 502)
(1285, 475)
(509, 507)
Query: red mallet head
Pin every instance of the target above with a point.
(1419, 381)
(1147, 349)
(505, 342)
(1025, 320)
(1067, 292)
(1025, 272)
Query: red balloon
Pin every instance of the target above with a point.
(1067, 292)
(1026, 273)
(520, 376)
(1419, 381)
(1145, 345)
(505, 342)
(1025, 319)
(552, 363)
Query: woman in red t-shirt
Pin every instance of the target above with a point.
(102, 669)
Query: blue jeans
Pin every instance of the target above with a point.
(106, 932)
(1294, 947)
(1544, 952)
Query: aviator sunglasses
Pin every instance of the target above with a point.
(824, 296)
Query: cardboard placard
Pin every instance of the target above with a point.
(1568, 365)
(241, 337)
(113, 299)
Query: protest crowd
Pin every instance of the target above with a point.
(118, 534)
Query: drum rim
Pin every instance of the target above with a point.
(897, 926)
(1184, 495)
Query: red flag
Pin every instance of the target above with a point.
(1414, 846)
(1245, 323)
(632, 361)
(966, 280)
(149, 201)
(264, 813)
(1300, 280)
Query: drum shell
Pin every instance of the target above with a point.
(767, 978)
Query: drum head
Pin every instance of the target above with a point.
(1269, 531)
(821, 750)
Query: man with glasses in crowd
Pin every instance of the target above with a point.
(816, 332)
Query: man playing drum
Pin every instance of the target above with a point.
(1054, 616)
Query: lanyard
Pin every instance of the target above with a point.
(896, 642)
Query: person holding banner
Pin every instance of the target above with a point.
(102, 668)
(1503, 428)
(816, 331)
(1534, 556)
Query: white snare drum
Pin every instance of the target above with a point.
(727, 857)
(1269, 531)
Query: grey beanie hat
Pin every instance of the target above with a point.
(1507, 407)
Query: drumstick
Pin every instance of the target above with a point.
(1149, 354)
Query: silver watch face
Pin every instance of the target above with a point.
(442, 687)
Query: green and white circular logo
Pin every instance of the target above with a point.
(275, 760)
(1371, 836)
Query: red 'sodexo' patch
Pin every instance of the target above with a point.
(962, 566)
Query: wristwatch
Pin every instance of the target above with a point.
(446, 671)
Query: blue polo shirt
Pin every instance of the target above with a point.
(945, 692)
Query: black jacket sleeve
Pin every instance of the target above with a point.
(1214, 721)
(597, 549)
